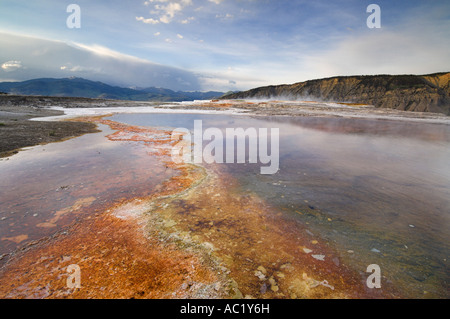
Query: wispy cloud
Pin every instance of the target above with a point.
(103, 51)
(147, 21)
(188, 20)
(10, 66)
(225, 16)
(164, 10)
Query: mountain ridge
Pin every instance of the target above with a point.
(408, 92)
(79, 87)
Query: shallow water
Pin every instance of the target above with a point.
(46, 188)
(377, 191)
(374, 191)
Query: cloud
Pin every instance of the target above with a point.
(404, 49)
(179, 36)
(147, 21)
(10, 66)
(93, 62)
(80, 68)
(230, 80)
(165, 10)
(106, 52)
(224, 17)
(188, 20)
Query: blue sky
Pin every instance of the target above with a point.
(220, 44)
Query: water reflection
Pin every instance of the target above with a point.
(377, 190)
(46, 188)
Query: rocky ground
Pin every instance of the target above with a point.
(17, 131)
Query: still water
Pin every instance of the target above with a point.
(377, 191)
(46, 188)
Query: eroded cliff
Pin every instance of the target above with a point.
(418, 93)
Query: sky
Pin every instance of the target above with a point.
(220, 45)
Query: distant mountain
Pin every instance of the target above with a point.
(419, 93)
(182, 96)
(79, 87)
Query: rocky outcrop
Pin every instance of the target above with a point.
(418, 93)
